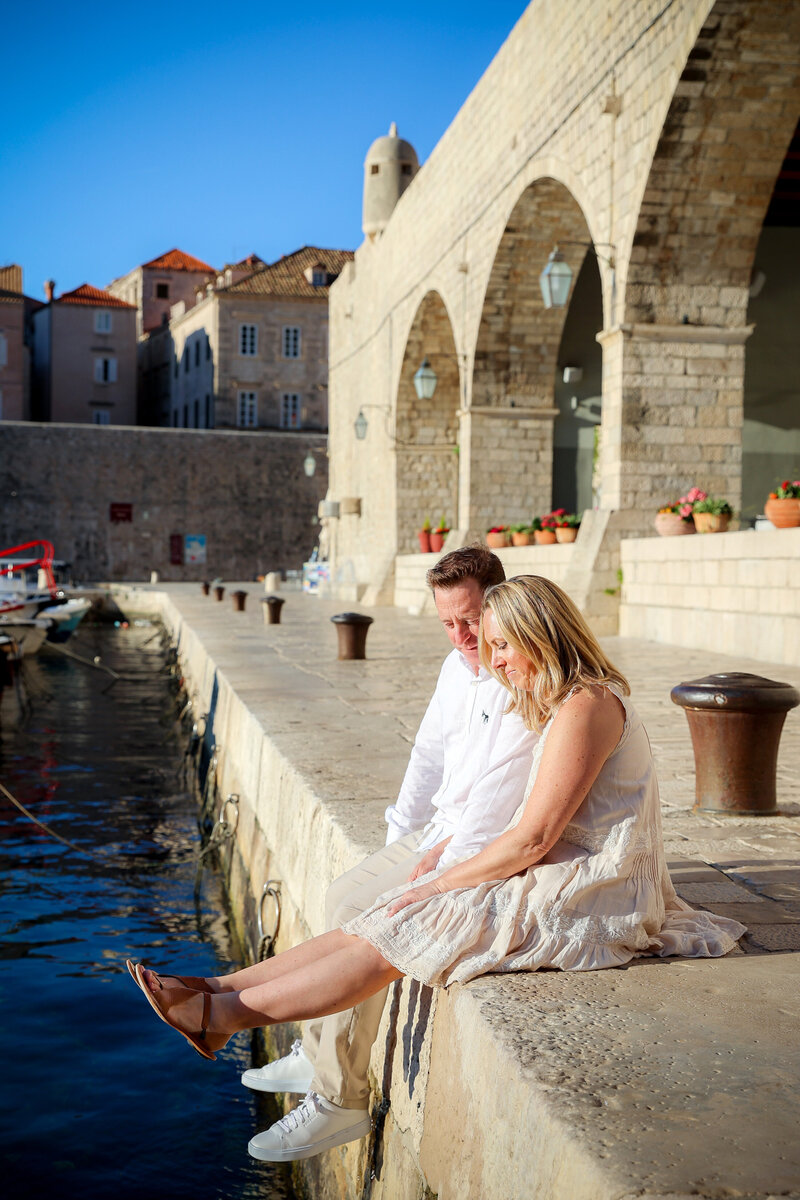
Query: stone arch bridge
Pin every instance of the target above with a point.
(648, 141)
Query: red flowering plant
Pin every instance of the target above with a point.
(685, 506)
(553, 519)
(787, 491)
(498, 529)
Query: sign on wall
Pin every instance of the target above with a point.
(194, 548)
(120, 513)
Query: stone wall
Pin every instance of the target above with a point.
(731, 592)
(246, 492)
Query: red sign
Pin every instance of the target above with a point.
(120, 513)
(176, 549)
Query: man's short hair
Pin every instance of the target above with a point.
(470, 562)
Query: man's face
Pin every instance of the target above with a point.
(459, 610)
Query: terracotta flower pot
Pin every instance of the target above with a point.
(521, 539)
(545, 537)
(566, 533)
(424, 541)
(672, 525)
(496, 541)
(437, 540)
(784, 514)
(711, 522)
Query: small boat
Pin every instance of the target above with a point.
(25, 598)
(28, 635)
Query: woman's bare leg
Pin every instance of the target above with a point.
(348, 973)
(270, 968)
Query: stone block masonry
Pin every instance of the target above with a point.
(246, 493)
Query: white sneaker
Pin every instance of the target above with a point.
(314, 1126)
(292, 1073)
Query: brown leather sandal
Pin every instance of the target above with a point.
(166, 998)
(196, 982)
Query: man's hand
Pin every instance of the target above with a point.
(414, 896)
(430, 861)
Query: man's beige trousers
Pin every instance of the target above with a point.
(339, 1046)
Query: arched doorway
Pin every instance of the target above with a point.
(426, 437)
(516, 405)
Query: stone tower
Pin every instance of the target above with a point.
(390, 165)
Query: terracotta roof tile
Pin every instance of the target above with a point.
(286, 277)
(177, 260)
(86, 294)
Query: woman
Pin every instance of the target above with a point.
(578, 880)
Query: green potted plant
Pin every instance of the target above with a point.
(676, 518)
(711, 515)
(567, 527)
(438, 535)
(424, 536)
(783, 506)
(522, 535)
(497, 537)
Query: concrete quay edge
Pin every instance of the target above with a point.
(665, 1079)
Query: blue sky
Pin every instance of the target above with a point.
(220, 129)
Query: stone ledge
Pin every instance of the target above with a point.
(661, 1079)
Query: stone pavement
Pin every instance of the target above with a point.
(668, 1078)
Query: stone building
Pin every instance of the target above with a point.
(251, 350)
(157, 285)
(655, 146)
(84, 357)
(16, 340)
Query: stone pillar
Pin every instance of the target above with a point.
(672, 414)
(506, 465)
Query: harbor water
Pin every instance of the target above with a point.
(98, 1097)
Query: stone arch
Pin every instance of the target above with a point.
(514, 406)
(721, 147)
(426, 431)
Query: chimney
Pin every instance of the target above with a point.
(49, 289)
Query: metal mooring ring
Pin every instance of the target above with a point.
(266, 941)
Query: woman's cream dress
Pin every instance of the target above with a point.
(602, 896)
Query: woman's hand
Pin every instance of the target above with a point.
(430, 861)
(414, 895)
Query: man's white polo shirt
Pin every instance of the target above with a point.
(469, 765)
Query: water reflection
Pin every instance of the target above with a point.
(98, 1098)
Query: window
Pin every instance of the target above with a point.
(208, 412)
(406, 169)
(197, 354)
(102, 321)
(186, 416)
(162, 291)
(177, 368)
(3, 350)
(101, 416)
(208, 349)
(291, 341)
(186, 360)
(175, 418)
(247, 410)
(319, 278)
(105, 370)
(197, 414)
(374, 169)
(290, 410)
(248, 339)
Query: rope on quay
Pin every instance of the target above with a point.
(220, 833)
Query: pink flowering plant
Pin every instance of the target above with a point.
(685, 506)
(788, 490)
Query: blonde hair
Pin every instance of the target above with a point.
(539, 620)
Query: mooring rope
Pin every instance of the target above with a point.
(220, 833)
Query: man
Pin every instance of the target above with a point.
(465, 779)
